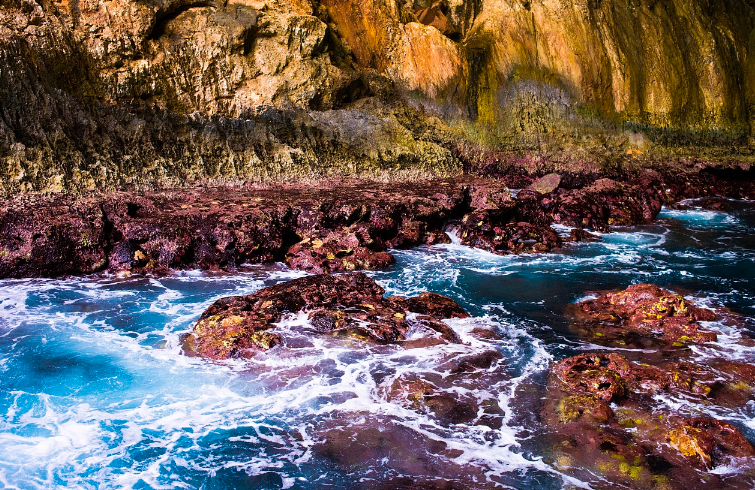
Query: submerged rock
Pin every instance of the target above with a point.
(645, 310)
(349, 304)
(428, 393)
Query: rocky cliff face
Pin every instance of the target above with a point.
(99, 93)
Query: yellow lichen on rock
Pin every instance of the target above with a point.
(693, 443)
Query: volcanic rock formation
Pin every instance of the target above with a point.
(602, 417)
(643, 310)
(350, 304)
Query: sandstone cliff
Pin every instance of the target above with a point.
(101, 93)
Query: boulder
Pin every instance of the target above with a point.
(644, 310)
(546, 184)
(602, 419)
(349, 304)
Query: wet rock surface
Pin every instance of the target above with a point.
(630, 419)
(345, 305)
(602, 418)
(319, 228)
(347, 249)
(644, 311)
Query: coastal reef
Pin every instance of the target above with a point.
(640, 423)
(350, 305)
(327, 227)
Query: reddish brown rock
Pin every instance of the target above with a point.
(492, 224)
(480, 229)
(436, 305)
(61, 237)
(707, 443)
(583, 408)
(493, 197)
(580, 235)
(605, 203)
(546, 184)
(633, 441)
(345, 249)
(223, 228)
(593, 374)
(610, 377)
(420, 392)
(350, 304)
(412, 233)
(645, 310)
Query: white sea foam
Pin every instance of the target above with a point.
(113, 403)
(699, 218)
(49, 439)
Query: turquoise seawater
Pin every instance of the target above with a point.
(95, 393)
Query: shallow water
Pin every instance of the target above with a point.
(94, 391)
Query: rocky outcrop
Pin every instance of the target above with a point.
(106, 94)
(623, 420)
(602, 419)
(349, 305)
(317, 229)
(102, 94)
(643, 310)
(320, 228)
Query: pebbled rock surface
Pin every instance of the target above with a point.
(350, 304)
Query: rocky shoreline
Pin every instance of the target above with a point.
(599, 410)
(324, 227)
(602, 408)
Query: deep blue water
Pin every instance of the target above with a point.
(94, 391)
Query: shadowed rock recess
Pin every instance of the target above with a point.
(100, 94)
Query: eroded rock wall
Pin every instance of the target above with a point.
(528, 64)
(100, 93)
